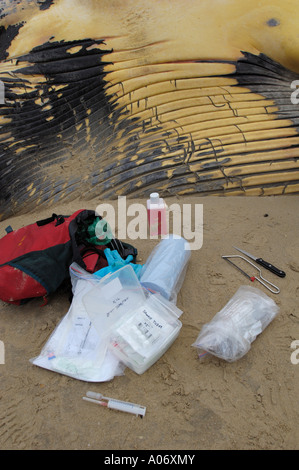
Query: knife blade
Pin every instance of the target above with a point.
(263, 263)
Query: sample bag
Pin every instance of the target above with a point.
(136, 326)
(112, 323)
(74, 348)
(230, 333)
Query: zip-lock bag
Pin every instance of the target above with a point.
(35, 259)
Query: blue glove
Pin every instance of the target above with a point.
(115, 262)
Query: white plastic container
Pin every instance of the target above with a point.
(156, 212)
(138, 327)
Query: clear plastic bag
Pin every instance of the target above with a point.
(232, 330)
(137, 326)
(75, 348)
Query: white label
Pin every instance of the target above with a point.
(145, 331)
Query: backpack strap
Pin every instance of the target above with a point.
(124, 249)
(59, 218)
(73, 228)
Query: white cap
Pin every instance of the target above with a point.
(154, 197)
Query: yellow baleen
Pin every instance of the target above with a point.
(111, 97)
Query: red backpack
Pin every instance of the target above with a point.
(35, 260)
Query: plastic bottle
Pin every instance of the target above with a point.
(156, 212)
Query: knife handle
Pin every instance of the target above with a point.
(271, 268)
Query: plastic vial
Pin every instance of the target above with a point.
(156, 212)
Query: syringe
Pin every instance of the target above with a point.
(114, 404)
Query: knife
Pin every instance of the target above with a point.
(263, 263)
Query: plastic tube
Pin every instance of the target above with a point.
(114, 404)
(164, 270)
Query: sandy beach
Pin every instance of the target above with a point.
(191, 403)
